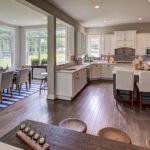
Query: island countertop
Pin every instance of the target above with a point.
(126, 68)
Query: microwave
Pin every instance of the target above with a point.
(148, 51)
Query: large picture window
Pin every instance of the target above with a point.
(6, 47)
(36, 45)
(94, 46)
(61, 42)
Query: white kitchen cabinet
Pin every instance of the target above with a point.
(109, 46)
(101, 71)
(125, 39)
(68, 84)
(141, 44)
(81, 43)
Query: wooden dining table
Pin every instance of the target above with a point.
(64, 139)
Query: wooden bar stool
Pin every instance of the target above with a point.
(74, 124)
(114, 134)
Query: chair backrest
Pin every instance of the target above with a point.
(26, 67)
(23, 76)
(125, 80)
(144, 81)
(6, 80)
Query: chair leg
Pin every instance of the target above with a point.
(140, 101)
(1, 97)
(3, 91)
(117, 93)
(7, 91)
(26, 86)
(11, 92)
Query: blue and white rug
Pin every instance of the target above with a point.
(7, 100)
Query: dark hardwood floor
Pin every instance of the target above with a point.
(95, 105)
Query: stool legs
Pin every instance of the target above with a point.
(140, 100)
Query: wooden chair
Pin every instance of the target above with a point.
(22, 77)
(6, 80)
(74, 124)
(143, 85)
(125, 82)
(114, 134)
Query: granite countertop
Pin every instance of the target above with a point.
(76, 68)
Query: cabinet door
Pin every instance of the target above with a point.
(120, 35)
(130, 35)
(95, 71)
(130, 44)
(141, 44)
(120, 44)
(76, 83)
(147, 40)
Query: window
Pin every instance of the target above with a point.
(61, 42)
(36, 45)
(6, 47)
(94, 46)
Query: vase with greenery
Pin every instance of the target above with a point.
(2, 69)
(44, 61)
(35, 61)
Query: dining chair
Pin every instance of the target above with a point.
(6, 80)
(143, 85)
(125, 82)
(22, 77)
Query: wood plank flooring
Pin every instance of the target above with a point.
(95, 105)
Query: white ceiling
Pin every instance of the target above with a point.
(115, 12)
(12, 12)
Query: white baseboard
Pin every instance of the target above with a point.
(51, 97)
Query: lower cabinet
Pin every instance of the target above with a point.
(101, 71)
(68, 84)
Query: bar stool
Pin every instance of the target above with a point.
(144, 85)
(74, 124)
(125, 82)
(43, 81)
(114, 134)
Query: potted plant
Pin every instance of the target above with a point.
(2, 69)
(35, 61)
(44, 61)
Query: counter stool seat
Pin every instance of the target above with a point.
(148, 142)
(74, 124)
(114, 134)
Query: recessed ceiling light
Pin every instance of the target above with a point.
(140, 18)
(97, 7)
(149, 1)
(105, 21)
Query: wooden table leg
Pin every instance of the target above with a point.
(11, 92)
(29, 80)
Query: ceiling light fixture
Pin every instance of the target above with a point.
(149, 1)
(97, 7)
(44, 18)
(140, 18)
(105, 21)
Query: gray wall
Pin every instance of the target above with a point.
(140, 27)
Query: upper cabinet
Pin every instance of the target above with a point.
(80, 43)
(109, 46)
(143, 42)
(125, 39)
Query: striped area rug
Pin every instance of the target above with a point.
(7, 100)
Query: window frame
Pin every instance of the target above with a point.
(66, 43)
(39, 43)
(13, 43)
(89, 37)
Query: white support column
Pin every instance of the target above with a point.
(51, 57)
